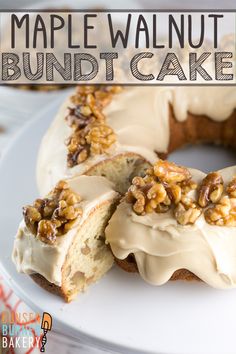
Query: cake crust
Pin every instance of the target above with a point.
(45, 284)
(181, 274)
(191, 131)
(129, 265)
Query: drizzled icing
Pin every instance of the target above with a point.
(161, 246)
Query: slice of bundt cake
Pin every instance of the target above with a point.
(60, 241)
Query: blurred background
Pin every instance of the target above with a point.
(119, 4)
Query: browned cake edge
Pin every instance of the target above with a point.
(129, 265)
(45, 284)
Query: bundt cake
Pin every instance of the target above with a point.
(171, 223)
(116, 132)
(60, 241)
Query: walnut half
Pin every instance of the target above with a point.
(210, 189)
(169, 172)
(187, 211)
(223, 213)
(231, 188)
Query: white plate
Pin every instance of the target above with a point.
(121, 312)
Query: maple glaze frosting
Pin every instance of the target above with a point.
(31, 255)
(161, 246)
(139, 117)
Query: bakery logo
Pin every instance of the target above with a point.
(136, 47)
(24, 330)
(46, 326)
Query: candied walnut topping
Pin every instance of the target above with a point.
(164, 185)
(187, 211)
(223, 213)
(169, 172)
(53, 216)
(231, 188)
(100, 138)
(210, 189)
(90, 133)
(147, 196)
